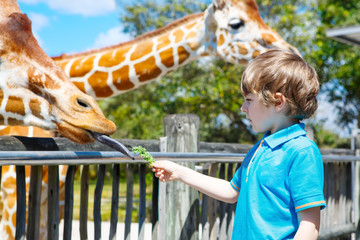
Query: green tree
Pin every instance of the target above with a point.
(340, 63)
(304, 24)
(210, 88)
(147, 15)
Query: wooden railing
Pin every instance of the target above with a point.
(204, 218)
(216, 218)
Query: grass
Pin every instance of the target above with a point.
(106, 200)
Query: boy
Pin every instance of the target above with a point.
(279, 186)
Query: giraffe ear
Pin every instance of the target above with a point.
(252, 3)
(218, 3)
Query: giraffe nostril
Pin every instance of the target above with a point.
(83, 104)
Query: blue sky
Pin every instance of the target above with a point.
(68, 26)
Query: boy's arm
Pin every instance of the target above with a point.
(309, 224)
(219, 189)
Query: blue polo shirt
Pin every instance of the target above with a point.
(281, 175)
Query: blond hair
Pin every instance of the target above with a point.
(285, 72)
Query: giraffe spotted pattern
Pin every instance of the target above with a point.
(231, 30)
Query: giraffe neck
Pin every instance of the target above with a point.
(114, 70)
(19, 106)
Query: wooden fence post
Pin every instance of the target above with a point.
(159, 224)
(182, 202)
(212, 207)
(355, 145)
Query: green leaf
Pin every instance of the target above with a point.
(145, 154)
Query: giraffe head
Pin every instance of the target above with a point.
(35, 91)
(236, 33)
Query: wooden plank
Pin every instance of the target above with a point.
(35, 158)
(53, 202)
(129, 199)
(20, 203)
(97, 201)
(342, 195)
(8, 143)
(159, 230)
(324, 217)
(337, 151)
(230, 207)
(84, 201)
(224, 147)
(205, 209)
(350, 196)
(12, 143)
(114, 201)
(34, 203)
(222, 212)
(213, 207)
(356, 181)
(155, 208)
(337, 231)
(69, 202)
(142, 201)
(182, 132)
(162, 212)
(54, 158)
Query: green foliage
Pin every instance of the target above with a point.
(145, 16)
(145, 154)
(340, 62)
(212, 92)
(304, 25)
(325, 138)
(210, 88)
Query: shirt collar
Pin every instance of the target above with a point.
(284, 135)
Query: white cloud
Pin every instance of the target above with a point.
(112, 37)
(82, 7)
(38, 22)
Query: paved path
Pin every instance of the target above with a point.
(105, 228)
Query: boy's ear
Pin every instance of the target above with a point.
(280, 101)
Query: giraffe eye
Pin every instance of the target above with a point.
(235, 23)
(83, 104)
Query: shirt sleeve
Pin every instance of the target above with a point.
(306, 179)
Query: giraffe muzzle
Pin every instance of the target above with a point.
(104, 139)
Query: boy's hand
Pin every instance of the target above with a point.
(166, 171)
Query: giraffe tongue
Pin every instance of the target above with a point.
(112, 143)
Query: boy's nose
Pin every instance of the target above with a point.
(243, 108)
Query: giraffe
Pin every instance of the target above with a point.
(34, 91)
(229, 29)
